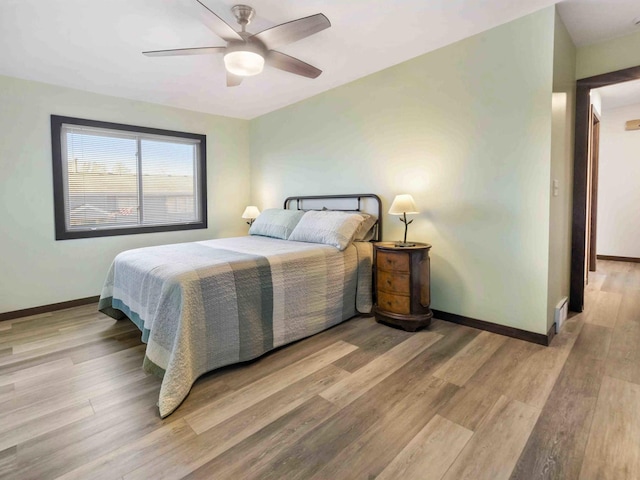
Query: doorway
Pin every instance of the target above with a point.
(583, 223)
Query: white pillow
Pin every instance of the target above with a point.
(276, 222)
(365, 231)
(328, 227)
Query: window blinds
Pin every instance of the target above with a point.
(118, 179)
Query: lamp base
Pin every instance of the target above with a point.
(404, 244)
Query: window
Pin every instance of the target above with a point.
(112, 179)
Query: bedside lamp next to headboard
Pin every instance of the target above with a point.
(250, 213)
(402, 205)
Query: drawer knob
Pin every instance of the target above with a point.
(388, 282)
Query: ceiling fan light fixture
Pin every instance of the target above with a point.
(244, 63)
(246, 54)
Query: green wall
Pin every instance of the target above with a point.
(609, 56)
(467, 131)
(562, 129)
(37, 269)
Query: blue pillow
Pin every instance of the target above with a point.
(328, 227)
(276, 223)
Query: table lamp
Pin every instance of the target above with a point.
(402, 205)
(250, 213)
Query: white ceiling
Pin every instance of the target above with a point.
(96, 45)
(619, 95)
(594, 21)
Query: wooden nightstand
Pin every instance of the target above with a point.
(402, 285)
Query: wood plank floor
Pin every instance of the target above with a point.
(359, 401)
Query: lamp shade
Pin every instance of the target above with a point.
(244, 63)
(251, 212)
(403, 204)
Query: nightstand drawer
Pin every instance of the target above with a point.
(394, 282)
(396, 261)
(394, 303)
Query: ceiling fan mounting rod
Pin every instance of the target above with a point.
(244, 14)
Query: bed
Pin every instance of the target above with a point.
(203, 305)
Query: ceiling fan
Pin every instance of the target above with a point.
(246, 54)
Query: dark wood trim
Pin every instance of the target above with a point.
(61, 232)
(619, 259)
(595, 162)
(579, 220)
(52, 307)
(539, 338)
(580, 170)
(551, 333)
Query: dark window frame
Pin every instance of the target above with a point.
(58, 180)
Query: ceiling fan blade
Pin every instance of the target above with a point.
(293, 31)
(291, 64)
(233, 80)
(185, 51)
(216, 24)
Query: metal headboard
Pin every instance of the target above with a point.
(356, 196)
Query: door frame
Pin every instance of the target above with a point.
(592, 209)
(580, 173)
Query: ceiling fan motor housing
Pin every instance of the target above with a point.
(249, 45)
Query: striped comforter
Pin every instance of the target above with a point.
(203, 305)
